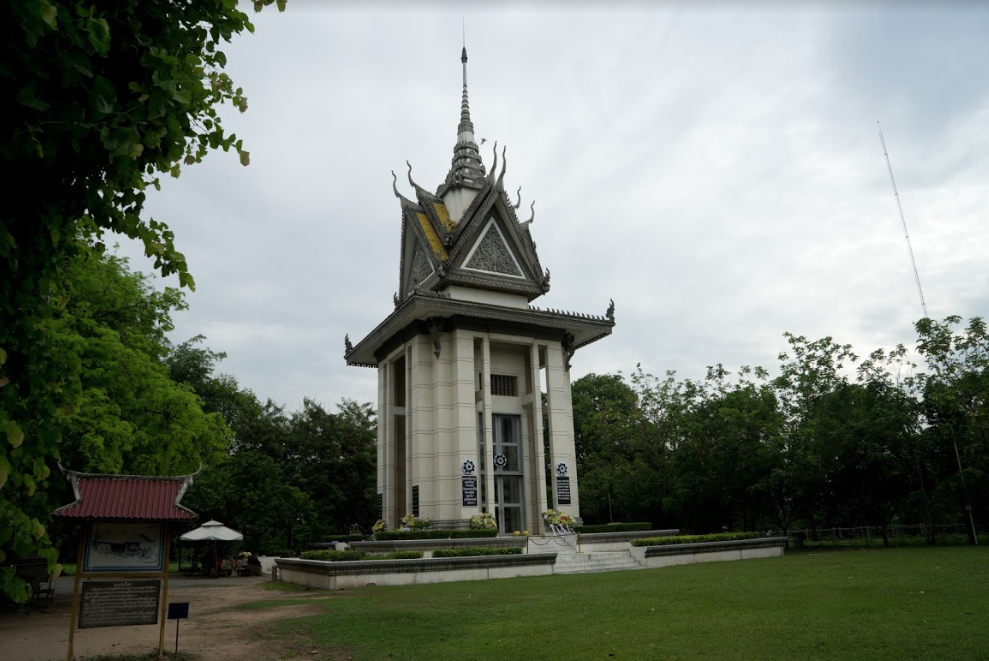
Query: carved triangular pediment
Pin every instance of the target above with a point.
(491, 254)
(420, 268)
(422, 250)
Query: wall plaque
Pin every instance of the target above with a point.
(124, 547)
(381, 506)
(415, 500)
(118, 603)
(562, 490)
(469, 489)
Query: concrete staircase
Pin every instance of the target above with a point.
(570, 561)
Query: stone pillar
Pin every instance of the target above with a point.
(560, 412)
(386, 441)
(465, 417)
(539, 478)
(422, 436)
(488, 459)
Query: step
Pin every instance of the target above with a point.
(595, 562)
(597, 570)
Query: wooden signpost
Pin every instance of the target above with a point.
(123, 551)
(117, 601)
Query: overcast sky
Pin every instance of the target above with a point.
(716, 169)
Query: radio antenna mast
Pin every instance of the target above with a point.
(896, 194)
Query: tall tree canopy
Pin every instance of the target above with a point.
(97, 100)
(132, 417)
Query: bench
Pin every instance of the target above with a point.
(36, 574)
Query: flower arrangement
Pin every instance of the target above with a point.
(559, 522)
(413, 522)
(378, 526)
(485, 521)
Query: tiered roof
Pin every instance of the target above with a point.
(467, 236)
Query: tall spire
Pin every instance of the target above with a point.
(466, 171)
(466, 126)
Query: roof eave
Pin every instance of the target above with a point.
(422, 305)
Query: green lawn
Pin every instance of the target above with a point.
(897, 604)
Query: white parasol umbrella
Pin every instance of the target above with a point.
(212, 531)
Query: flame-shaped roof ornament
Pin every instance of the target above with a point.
(494, 152)
(501, 177)
(394, 186)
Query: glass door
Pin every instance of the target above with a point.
(508, 462)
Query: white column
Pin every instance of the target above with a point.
(540, 452)
(561, 442)
(411, 424)
(488, 425)
(386, 440)
(465, 416)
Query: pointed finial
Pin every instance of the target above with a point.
(519, 202)
(491, 175)
(504, 164)
(394, 187)
(533, 208)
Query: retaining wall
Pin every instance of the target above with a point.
(685, 554)
(346, 575)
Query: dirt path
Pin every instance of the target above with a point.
(215, 631)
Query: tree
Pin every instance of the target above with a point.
(132, 417)
(334, 458)
(98, 99)
(609, 429)
(801, 481)
(251, 489)
(956, 405)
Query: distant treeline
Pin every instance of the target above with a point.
(832, 440)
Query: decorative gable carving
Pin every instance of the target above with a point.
(491, 254)
(421, 267)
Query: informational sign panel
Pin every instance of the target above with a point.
(562, 489)
(381, 506)
(125, 547)
(469, 489)
(178, 610)
(118, 603)
(415, 500)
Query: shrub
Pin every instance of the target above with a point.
(472, 534)
(390, 535)
(476, 550)
(404, 555)
(413, 522)
(485, 521)
(695, 539)
(615, 527)
(333, 556)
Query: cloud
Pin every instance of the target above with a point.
(716, 171)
